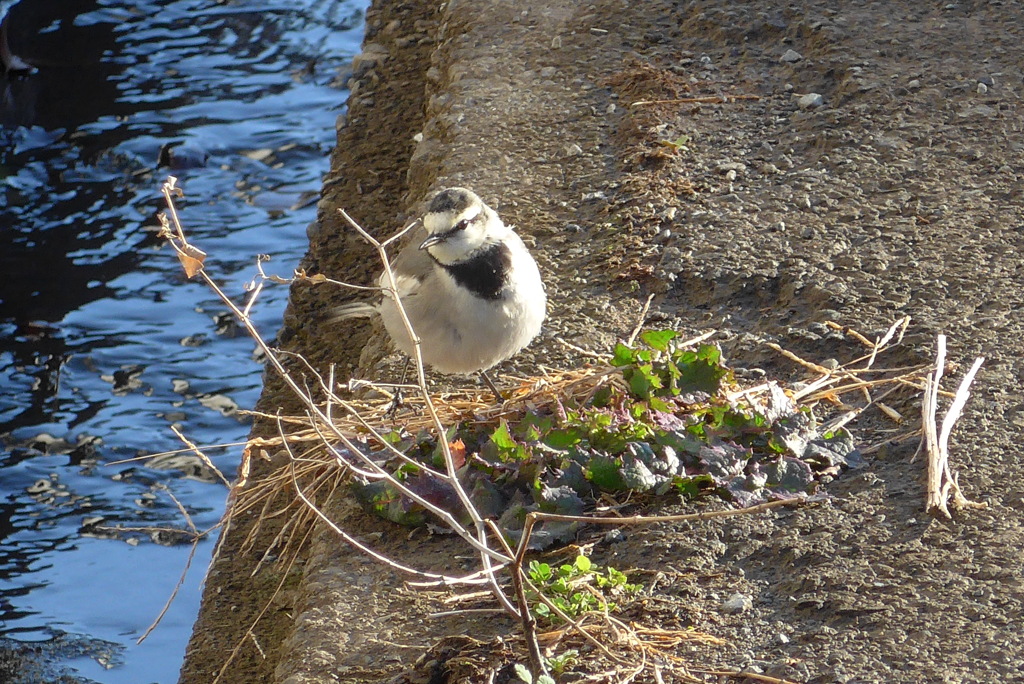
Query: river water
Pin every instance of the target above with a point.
(104, 344)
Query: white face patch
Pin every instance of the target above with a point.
(437, 223)
(464, 234)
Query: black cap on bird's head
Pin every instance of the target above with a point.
(453, 201)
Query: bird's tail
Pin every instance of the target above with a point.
(353, 310)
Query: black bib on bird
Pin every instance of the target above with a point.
(485, 273)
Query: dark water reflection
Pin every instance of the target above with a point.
(103, 343)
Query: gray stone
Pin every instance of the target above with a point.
(810, 100)
(737, 603)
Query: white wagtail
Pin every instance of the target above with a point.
(471, 289)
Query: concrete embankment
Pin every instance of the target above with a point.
(474, 94)
(765, 172)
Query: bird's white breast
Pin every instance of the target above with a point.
(464, 333)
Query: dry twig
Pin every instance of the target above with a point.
(942, 483)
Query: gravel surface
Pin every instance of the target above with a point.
(811, 165)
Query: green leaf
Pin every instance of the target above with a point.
(533, 426)
(605, 473)
(658, 339)
(539, 572)
(602, 397)
(691, 487)
(562, 500)
(523, 673)
(660, 405)
(381, 499)
(616, 578)
(563, 438)
(509, 450)
(700, 371)
(710, 354)
(502, 438)
(622, 355)
(639, 384)
(530, 433)
(394, 437)
(583, 564)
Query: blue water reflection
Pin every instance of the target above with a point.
(103, 342)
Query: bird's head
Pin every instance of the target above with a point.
(459, 225)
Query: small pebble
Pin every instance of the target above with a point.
(810, 100)
(614, 536)
(982, 89)
(914, 84)
(737, 603)
(726, 167)
(791, 56)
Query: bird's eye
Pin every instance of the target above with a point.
(461, 225)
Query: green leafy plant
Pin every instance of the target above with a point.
(666, 425)
(576, 588)
(663, 370)
(559, 663)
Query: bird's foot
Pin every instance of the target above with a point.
(494, 388)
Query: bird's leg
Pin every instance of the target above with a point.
(494, 388)
(398, 401)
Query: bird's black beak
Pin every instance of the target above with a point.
(432, 240)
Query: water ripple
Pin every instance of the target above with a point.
(103, 342)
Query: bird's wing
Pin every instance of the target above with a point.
(411, 267)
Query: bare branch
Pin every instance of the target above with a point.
(941, 482)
